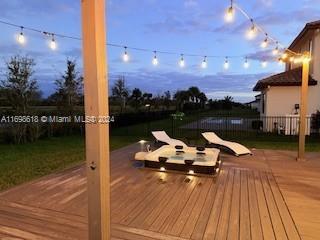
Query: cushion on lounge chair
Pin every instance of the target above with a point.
(237, 148)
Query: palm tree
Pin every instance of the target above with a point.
(202, 98)
(181, 97)
(194, 93)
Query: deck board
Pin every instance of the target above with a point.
(265, 196)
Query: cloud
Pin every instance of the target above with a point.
(215, 85)
(12, 8)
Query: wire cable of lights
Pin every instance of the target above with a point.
(230, 16)
(55, 35)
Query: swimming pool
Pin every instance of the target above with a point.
(188, 160)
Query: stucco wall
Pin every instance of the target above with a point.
(281, 100)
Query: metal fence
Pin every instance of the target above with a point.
(233, 126)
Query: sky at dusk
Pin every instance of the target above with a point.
(182, 26)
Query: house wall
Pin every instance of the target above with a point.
(280, 101)
(310, 42)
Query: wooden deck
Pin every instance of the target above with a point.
(265, 196)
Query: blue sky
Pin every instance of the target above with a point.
(184, 26)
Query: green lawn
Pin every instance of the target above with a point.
(21, 163)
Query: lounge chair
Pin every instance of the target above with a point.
(162, 136)
(236, 148)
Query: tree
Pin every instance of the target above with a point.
(194, 93)
(121, 92)
(19, 87)
(136, 98)
(167, 99)
(202, 98)
(147, 98)
(69, 88)
(21, 91)
(181, 97)
(227, 102)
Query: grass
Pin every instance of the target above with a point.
(21, 163)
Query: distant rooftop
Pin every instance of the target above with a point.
(289, 78)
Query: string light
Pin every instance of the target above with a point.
(280, 62)
(226, 64)
(204, 63)
(229, 16)
(181, 62)
(276, 50)
(155, 59)
(265, 42)
(246, 63)
(53, 44)
(125, 56)
(21, 39)
(264, 64)
(252, 32)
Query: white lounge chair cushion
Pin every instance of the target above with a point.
(237, 148)
(162, 136)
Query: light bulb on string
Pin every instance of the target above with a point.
(125, 56)
(21, 39)
(53, 44)
(229, 16)
(181, 62)
(226, 64)
(284, 56)
(264, 64)
(246, 63)
(252, 32)
(280, 62)
(155, 59)
(265, 42)
(276, 50)
(204, 63)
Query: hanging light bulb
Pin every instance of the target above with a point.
(53, 44)
(265, 42)
(21, 38)
(204, 63)
(280, 62)
(246, 63)
(181, 62)
(252, 32)
(125, 56)
(226, 64)
(155, 59)
(276, 50)
(284, 56)
(229, 16)
(264, 63)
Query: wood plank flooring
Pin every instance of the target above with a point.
(253, 197)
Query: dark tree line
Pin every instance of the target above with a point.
(19, 92)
